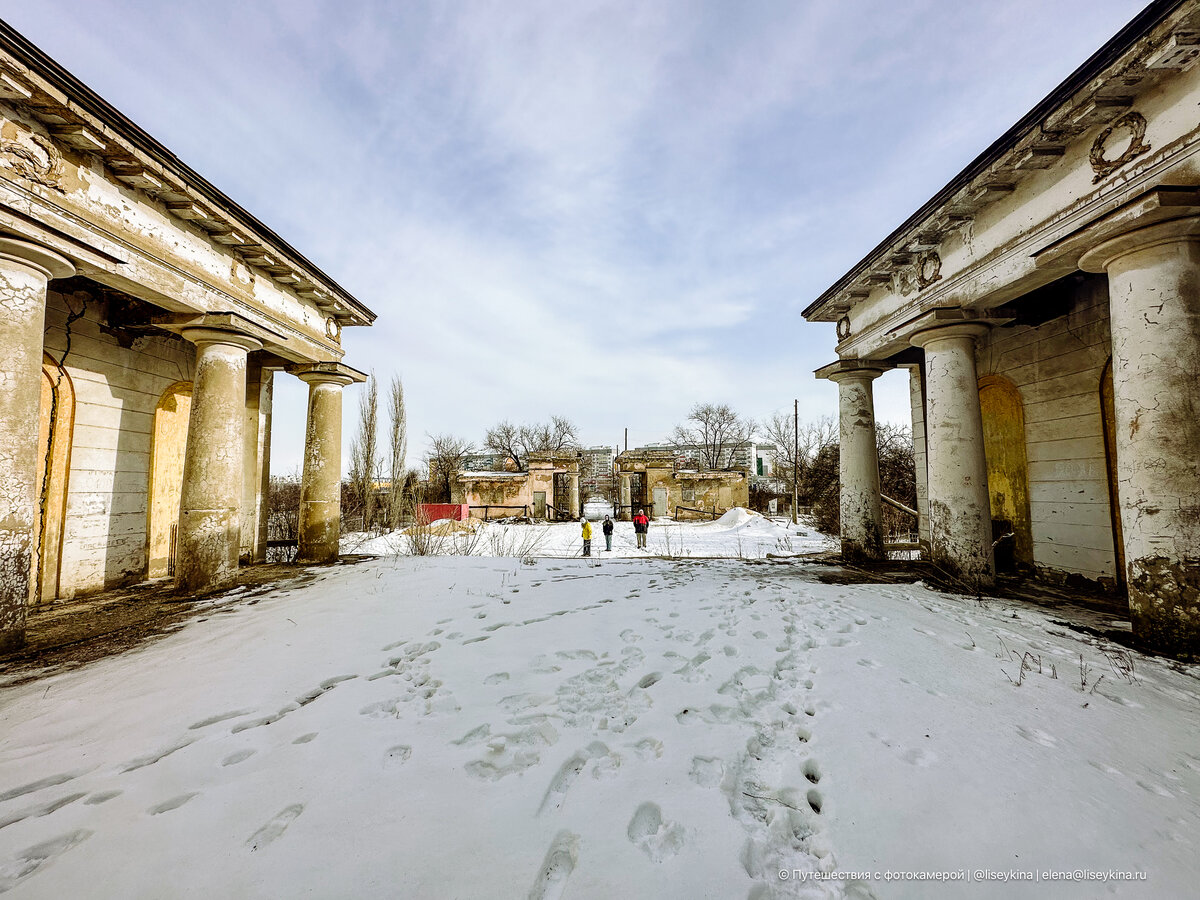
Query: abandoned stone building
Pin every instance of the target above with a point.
(659, 482)
(549, 489)
(1046, 304)
(146, 317)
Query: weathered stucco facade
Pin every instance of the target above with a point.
(146, 315)
(548, 489)
(655, 481)
(1046, 303)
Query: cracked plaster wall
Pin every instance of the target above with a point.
(116, 392)
(22, 300)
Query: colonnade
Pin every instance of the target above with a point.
(216, 457)
(1154, 289)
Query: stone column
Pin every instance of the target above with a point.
(25, 268)
(862, 534)
(916, 396)
(321, 481)
(575, 504)
(257, 468)
(960, 516)
(1154, 301)
(210, 537)
(626, 497)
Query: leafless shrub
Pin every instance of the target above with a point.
(1029, 662)
(1121, 663)
(672, 547)
(521, 541)
(419, 535)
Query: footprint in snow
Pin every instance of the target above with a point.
(173, 803)
(1037, 736)
(707, 771)
(556, 868)
(658, 839)
(237, 756)
(274, 829)
(398, 755)
(31, 859)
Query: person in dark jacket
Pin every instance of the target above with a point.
(607, 528)
(641, 524)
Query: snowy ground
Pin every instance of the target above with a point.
(737, 533)
(636, 728)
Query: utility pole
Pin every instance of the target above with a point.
(627, 439)
(795, 454)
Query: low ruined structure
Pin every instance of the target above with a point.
(146, 315)
(652, 479)
(549, 489)
(1046, 304)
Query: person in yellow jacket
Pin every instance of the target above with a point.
(587, 536)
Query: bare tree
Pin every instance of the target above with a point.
(445, 459)
(505, 440)
(364, 451)
(398, 447)
(717, 433)
(516, 442)
(796, 452)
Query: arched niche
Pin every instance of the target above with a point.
(167, 449)
(1007, 463)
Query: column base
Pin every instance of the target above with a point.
(1164, 606)
(859, 552)
(207, 556)
(320, 533)
(11, 641)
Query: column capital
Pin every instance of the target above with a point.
(37, 257)
(952, 330)
(846, 369)
(205, 336)
(219, 328)
(1098, 259)
(327, 373)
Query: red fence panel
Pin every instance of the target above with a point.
(432, 512)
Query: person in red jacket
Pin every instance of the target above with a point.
(641, 524)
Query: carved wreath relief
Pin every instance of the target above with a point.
(1134, 125)
(333, 329)
(929, 269)
(38, 161)
(918, 275)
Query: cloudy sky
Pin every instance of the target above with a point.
(603, 210)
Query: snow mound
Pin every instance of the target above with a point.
(739, 515)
